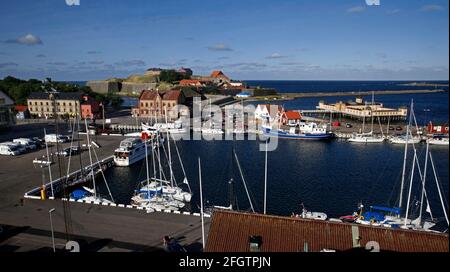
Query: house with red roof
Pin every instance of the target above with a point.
(291, 118)
(22, 112)
(191, 82)
(269, 112)
(154, 103)
(219, 78)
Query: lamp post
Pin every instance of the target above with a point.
(51, 227)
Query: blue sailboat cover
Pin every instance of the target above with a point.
(386, 209)
(79, 194)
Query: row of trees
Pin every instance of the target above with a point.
(19, 90)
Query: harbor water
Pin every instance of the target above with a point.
(332, 176)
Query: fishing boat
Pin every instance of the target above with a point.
(131, 150)
(304, 131)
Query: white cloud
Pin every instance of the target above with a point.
(219, 47)
(28, 39)
(393, 11)
(130, 63)
(275, 56)
(432, 7)
(356, 9)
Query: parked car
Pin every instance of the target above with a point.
(14, 147)
(399, 128)
(9, 150)
(26, 142)
(348, 125)
(53, 138)
(391, 128)
(74, 150)
(40, 143)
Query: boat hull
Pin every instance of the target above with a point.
(302, 136)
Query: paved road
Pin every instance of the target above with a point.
(125, 229)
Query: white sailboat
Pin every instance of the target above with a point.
(377, 217)
(90, 194)
(158, 191)
(366, 137)
(438, 140)
(408, 137)
(211, 128)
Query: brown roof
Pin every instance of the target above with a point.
(189, 82)
(293, 115)
(230, 232)
(20, 108)
(148, 95)
(218, 74)
(171, 95)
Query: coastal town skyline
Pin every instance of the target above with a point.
(292, 40)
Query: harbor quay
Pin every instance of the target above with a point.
(115, 228)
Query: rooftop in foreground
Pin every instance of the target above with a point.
(231, 232)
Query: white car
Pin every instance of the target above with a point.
(27, 143)
(10, 148)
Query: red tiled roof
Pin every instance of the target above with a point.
(293, 115)
(148, 95)
(20, 108)
(218, 74)
(187, 82)
(172, 95)
(230, 232)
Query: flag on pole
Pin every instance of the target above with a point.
(185, 181)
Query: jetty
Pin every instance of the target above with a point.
(294, 95)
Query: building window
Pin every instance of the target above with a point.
(146, 104)
(42, 104)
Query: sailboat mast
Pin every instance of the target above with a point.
(423, 184)
(265, 180)
(201, 202)
(439, 189)
(404, 160)
(146, 164)
(49, 164)
(168, 146)
(410, 188)
(90, 157)
(371, 112)
(153, 156)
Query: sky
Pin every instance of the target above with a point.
(248, 39)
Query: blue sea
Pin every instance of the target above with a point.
(332, 177)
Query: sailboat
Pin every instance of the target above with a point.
(408, 137)
(168, 192)
(391, 217)
(211, 128)
(150, 193)
(366, 137)
(90, 194)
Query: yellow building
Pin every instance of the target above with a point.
(360, 109)
(41, 104)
